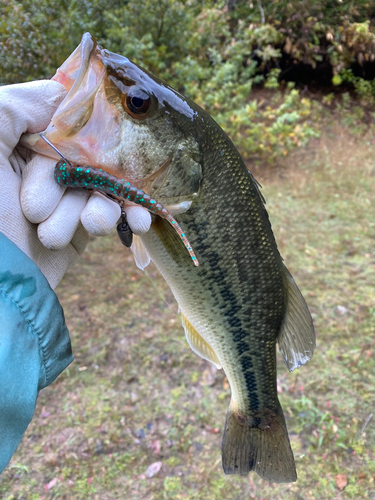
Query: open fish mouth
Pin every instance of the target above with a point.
(86, 126)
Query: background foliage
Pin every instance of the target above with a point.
(219, 53)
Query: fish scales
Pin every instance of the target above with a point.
(247, 306)
(241, 300)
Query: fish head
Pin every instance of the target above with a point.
(118, 117)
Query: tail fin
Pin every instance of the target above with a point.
(264, 448)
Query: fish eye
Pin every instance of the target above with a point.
(136, 103)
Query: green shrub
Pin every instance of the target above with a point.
(215, 52)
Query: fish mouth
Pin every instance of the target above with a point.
(85, 124)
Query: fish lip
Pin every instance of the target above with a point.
(88, 45)
(63, 74)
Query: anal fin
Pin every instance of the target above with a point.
(297, 336)
(198, 344)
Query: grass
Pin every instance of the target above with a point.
(136, 395)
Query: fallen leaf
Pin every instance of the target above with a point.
(153, 469)
(51, 484)
(212, 430)
(341, 481)
(209, 376)
(50, 459)
(342, 309)
(155, 446)
(279, 388)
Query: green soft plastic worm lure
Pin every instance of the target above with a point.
(83, 176)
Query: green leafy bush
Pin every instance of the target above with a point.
(216, 52)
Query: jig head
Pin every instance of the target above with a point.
(123, 230)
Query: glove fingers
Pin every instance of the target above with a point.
(18, 229)
(57, 231)
(80, 240)
(26, 107)
(100, 215)
(12, 222)
(139, 219)
(40, 193)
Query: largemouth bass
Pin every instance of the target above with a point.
(241, 300)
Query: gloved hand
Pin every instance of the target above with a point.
(64, 215)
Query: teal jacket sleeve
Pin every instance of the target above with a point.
(34, 343)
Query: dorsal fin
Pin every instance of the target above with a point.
(258, 187)
(198, 344)
(141, 256)
(297, 337)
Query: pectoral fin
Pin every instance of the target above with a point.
(198, 344)
(141, 257)
(297, 337)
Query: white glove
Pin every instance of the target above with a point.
(63, 217)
